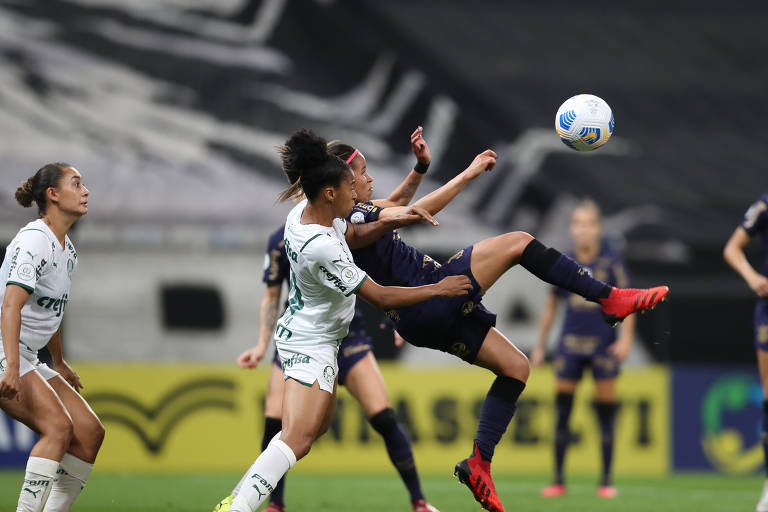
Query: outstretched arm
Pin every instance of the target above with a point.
(733, 253)
(268, 315)
(438, 199)
(362, 235)
(403, 194)
(390, 297)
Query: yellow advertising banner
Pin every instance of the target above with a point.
(207, 417)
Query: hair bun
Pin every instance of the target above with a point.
(24, 194)
(306, 150)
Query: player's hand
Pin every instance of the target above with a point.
(620, 349)
(69, 375)
(411, 215)
(252, 357)
(454, 286)
(485, 161)
(399, 341)
(419, 146)
(537, 357)
(759, 285)
(10, 384)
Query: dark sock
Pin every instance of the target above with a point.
(498, 409)
(606, 415)
(555, 268)
(564, 405)
(271, 427)
(399, 449)
(765, 436)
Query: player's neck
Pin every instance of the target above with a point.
(317, 214)
(59, 224)
(587, 254)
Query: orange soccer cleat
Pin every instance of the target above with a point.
(622, 302)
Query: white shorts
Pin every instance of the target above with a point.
(28, 361)
(307, 366)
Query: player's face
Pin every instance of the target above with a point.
(363, 180)
(70, 195)
(586, 229)
(345, 195)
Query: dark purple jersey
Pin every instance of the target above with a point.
(277, 270)
(584, 329)
(756, 222)
(389, 261)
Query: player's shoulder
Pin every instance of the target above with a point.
(363, 212)
(36, 233)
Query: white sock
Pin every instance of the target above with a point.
(263, 475)
(70, 480)
(38, 481)
(239, 485)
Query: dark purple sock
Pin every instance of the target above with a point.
(498, 409)
(606, 414)
(555, 268)
(271, 427)
(564, 405)
(399, 449)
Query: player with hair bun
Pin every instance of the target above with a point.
(321, 302)
(358, 370)
(36, 276)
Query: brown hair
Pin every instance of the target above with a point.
(35, 187)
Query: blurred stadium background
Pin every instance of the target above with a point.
(171, 109)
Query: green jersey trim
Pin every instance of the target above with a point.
(26, 287)
(297, 380)
(346, 226)
(353, 290)
(307, 242)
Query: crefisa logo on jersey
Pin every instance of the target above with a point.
(329, 374)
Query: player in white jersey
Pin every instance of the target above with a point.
(36, 275)
(321, 303)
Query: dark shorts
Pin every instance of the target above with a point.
(761, 325)
(570, 366)
(352, 349)
(457, 325)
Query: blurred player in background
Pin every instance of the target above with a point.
(358, 370)
(755, 223)
(463, 326)
(586, 340)
(323, 283)
(36, 277)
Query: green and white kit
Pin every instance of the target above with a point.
(321, 299)
(36, 261)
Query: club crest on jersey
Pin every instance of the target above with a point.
(329, 374)
(70, 267)
(467, 307)
(26, 271)
(459, 349)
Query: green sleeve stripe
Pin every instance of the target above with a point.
(307, 242)
(358, 286)
(26, 287)
(346, 226)
(35, 229)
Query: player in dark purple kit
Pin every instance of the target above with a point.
(463, 326)
(586, 340)
(755, 223)
(358, 370)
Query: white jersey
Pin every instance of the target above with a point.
(36, 261)
(324, 277)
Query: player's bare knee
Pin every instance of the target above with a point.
(516, 242)
(60, 429)
(517, 367)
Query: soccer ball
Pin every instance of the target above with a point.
(584, 122)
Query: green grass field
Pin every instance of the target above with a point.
(371, 493)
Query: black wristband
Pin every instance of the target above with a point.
(420, 167)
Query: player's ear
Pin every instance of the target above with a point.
(329, 193)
